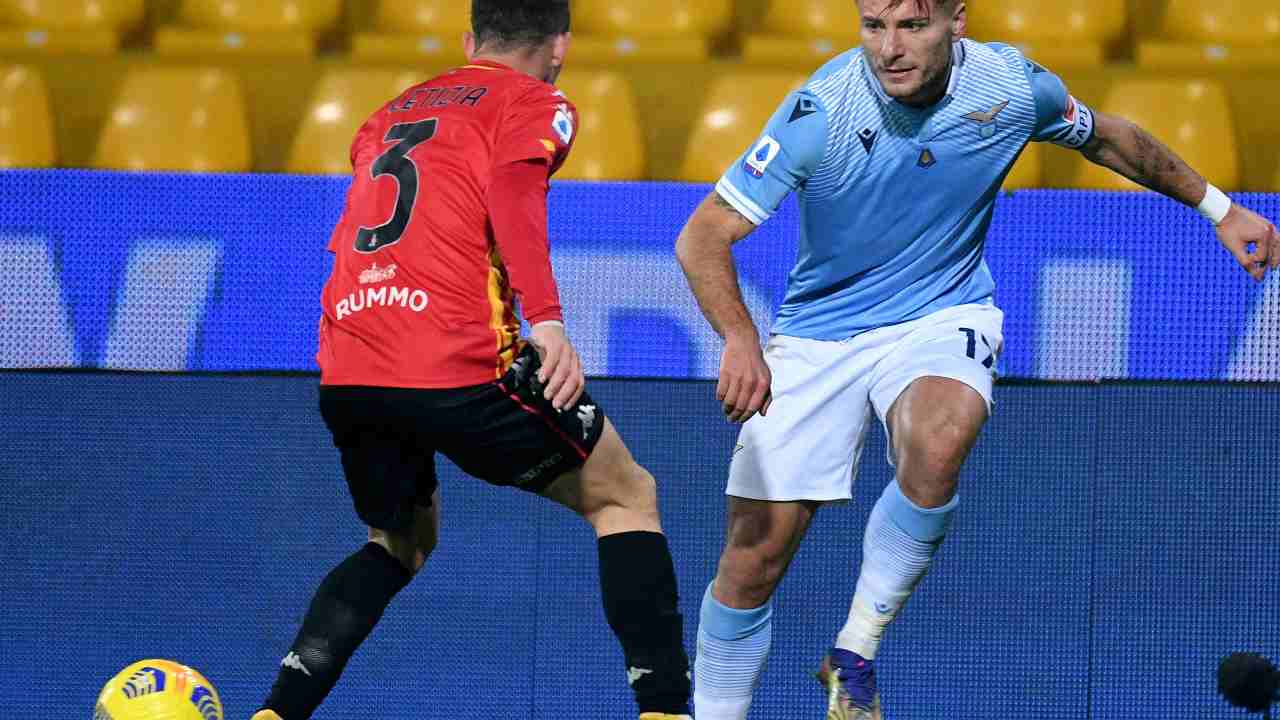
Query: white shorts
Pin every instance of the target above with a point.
(808, 446)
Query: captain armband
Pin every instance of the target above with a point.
(1080, 117)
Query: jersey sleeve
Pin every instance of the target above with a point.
(541, 125)
(785, 155)
(1060, 118)
(517, 204)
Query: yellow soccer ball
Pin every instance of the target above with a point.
(158, 690)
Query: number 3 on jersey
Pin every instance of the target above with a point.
(396, 162)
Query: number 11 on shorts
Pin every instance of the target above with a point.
(972, 348)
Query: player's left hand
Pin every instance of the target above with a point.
(1242, 228)
(561, 371)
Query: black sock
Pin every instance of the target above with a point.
(346, 606)
(638, 584)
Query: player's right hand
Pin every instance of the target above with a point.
(561, 371)
(1243, 229)
(745, 380)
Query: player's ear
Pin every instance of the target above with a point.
(960, 21)
(560, 48)
(469, 44)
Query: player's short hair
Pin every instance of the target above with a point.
(512, 24)
(924, 5)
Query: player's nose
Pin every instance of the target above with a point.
(891, 46)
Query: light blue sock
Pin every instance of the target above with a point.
(732, 648)
(897, 550)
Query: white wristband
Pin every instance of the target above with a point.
(550, 323)
(1215, 205)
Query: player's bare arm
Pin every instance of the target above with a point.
(703, 249)
(1122, 146)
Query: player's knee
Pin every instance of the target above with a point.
(629, 495)
(941, 445)
(748, 574)
(641, 488)
(929, 470)
(939, 462)
(613, 477)
(411, 557)
(404, 547)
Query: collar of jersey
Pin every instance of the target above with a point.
(953, 83)
(487, 65)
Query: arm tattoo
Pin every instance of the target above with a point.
(1145, 150)
(1159, 168)
(1134, 153)
(720, 202)
(1094, 149)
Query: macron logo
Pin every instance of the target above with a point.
(293, 662)
(635, 673)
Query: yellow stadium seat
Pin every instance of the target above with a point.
(186, 119)
(260, 15)
(626, 18)
(731, 120)
(610, 145)
(803, 34)
(59, 42)
(26, 129)
(1057, 35)
(781, 50)
(638, 50)
(447, 19)
(1060, 56)
(1226, 22)
(806, 33)
(1165, 55)
(339, 105)
(444, 50)
(811, 53)
(1225, 35)
(1192, 117)
(73, 14)
(1053, 23)
(834, 20)
(181, 42)
(1028, 171)
(436, 50)
(406, 31)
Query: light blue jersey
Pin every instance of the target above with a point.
(895, 201)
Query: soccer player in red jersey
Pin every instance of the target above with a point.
(445, 227)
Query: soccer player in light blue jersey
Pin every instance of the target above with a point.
(896, 151)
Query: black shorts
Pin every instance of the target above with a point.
(504, 433)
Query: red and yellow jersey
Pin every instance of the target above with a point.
(423, 287)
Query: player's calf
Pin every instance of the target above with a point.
(344, 610)
(735, 632)
(762, 539)
(641, 604)
(897, 549)
(348, 604)
(637, 577)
